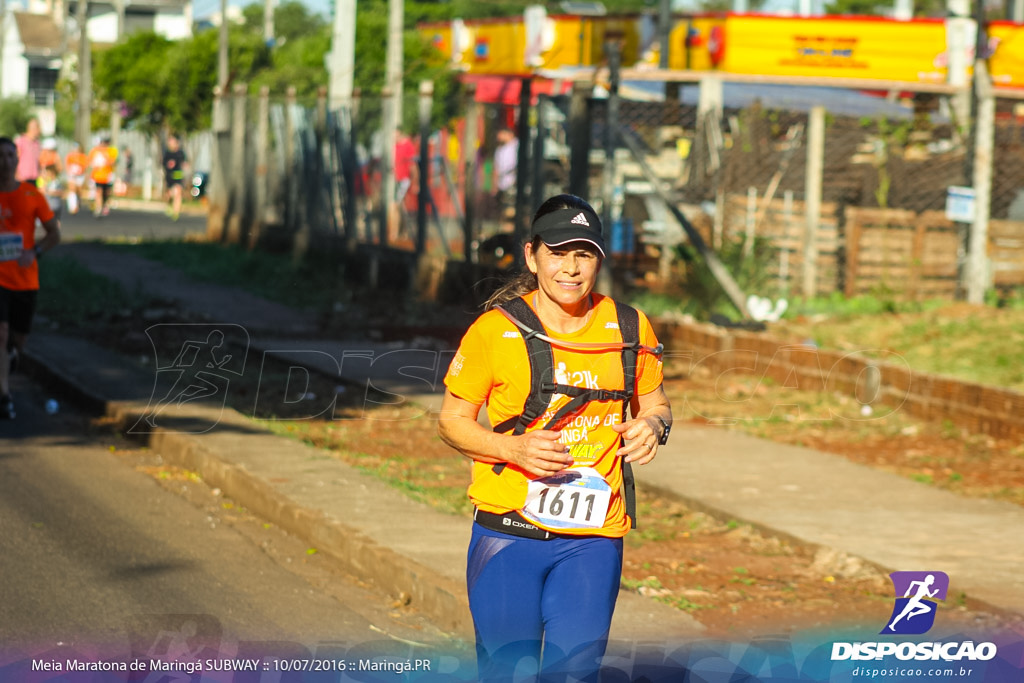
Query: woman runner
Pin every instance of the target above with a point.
(545, 557)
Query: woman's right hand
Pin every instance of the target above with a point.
(540, 453)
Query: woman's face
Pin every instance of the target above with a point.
(566, 274)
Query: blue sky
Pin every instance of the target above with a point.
(204, 8)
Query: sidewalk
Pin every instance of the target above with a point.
(403, 546)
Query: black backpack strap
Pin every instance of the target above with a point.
(629, 328)
(542, 367)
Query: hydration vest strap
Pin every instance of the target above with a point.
(542, 368)
(629, 328)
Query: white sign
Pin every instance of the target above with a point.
(960, 204)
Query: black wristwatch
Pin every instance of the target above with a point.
(666, 428)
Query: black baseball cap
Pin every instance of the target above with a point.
(570, 225)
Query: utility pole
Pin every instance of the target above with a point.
(115, 109)
(220, 113)
(394, 66)
(342, 58)
(3, 33)
(84, 76)
(268, 22)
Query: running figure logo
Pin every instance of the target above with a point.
(914, 612)
(206, 361)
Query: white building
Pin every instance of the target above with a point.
(35, 40)
(32, 56)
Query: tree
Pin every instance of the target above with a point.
(292, 21)
(131, 73)
(15, 113)
(170, 84)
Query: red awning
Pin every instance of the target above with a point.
(505, 89)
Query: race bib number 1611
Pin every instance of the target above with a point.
(577, 498)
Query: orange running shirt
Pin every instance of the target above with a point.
(102, 161)
(492, 367)
(75, 163)
(18, 213)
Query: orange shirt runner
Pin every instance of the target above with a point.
(75, 163)
(102, 160)
(18, 213)
(492, 367)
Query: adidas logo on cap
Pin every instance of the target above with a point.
(580, 219)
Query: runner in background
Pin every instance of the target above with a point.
(406, 178)
(102, 160)
(49, 156)
(75, 162)
(175, 164)
(21, 204)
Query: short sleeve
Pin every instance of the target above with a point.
(471, 375)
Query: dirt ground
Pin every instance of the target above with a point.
(734, 579)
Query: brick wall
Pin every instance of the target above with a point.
(888, 381)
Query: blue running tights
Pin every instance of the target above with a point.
(529, 596)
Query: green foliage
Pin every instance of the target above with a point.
(837, 305)
(922, 8)
(169, 84)
(15, 113)
(292, 21)
(750, 270)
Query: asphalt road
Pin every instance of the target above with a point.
(129, 222)
(103, 546)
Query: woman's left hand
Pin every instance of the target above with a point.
(642, 435)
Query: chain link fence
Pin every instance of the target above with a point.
(816, 202)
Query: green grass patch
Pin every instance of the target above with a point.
(271, 276)
(71, 294)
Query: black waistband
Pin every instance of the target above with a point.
(512, 523)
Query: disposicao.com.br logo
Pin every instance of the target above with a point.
(917, 597)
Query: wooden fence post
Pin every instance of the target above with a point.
(812, 208)
(261, 177)
(217, 208)
(469, 158)
(984, 135)
(238, 199)
(579, 139)
(423, 198)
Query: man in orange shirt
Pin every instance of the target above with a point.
(21, 203)
(102, 160)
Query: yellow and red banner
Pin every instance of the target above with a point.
(846, 47)
(824, 47)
